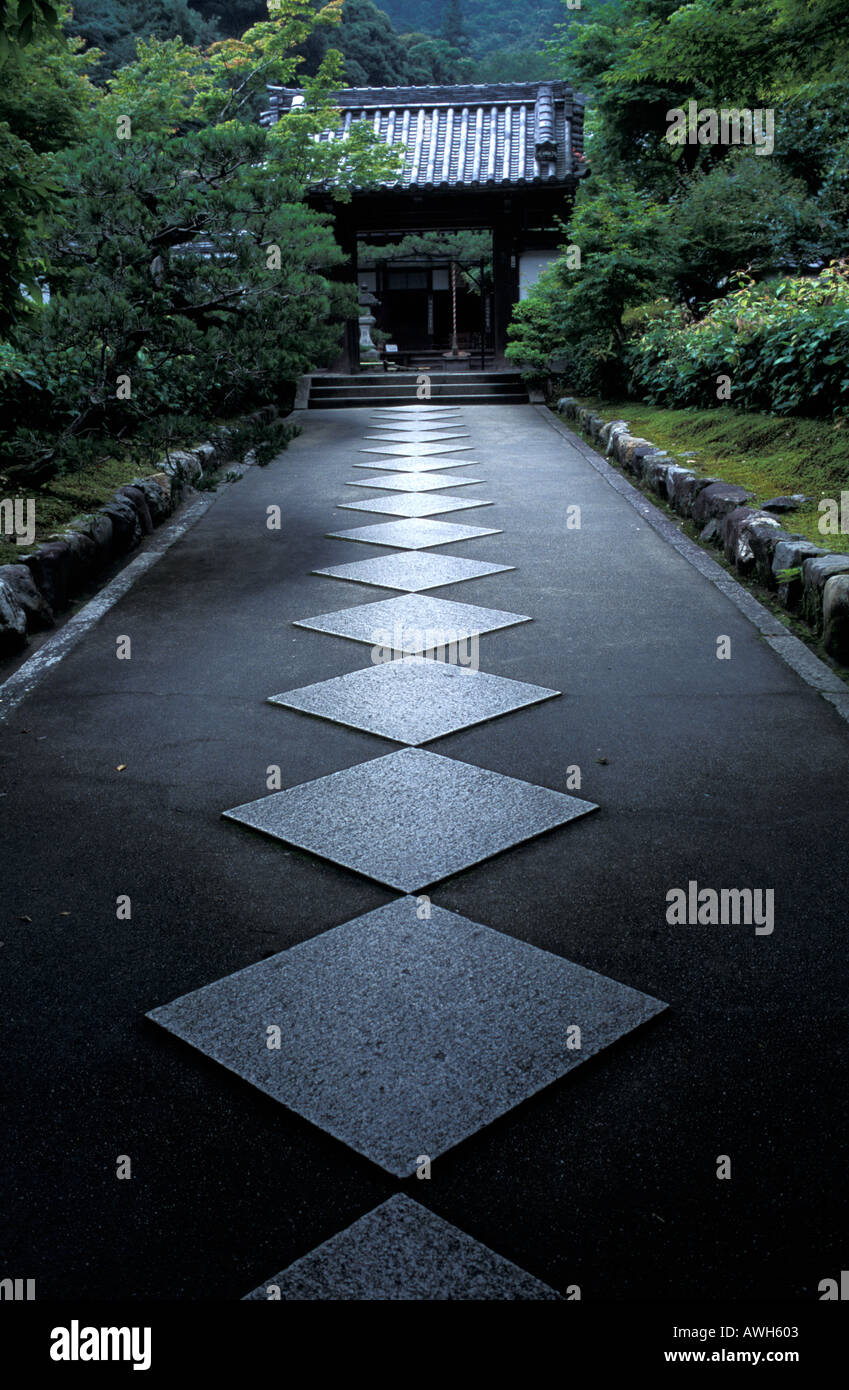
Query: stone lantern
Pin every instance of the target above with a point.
(368, 351)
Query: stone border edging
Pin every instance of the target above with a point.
(44, 582)
(809, 580)
(21, 682)
(791, 649)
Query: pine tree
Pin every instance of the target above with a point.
(453, 28)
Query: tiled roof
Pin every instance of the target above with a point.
(505, 133)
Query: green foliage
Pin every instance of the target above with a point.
(491, 25)
(397, 43)
(114, 26)
(188, 276)
(21, 21)
(46, 105)
(516, 64)
(375, 55)
(453, 26)
(784, 343)
(265, 441)
(574, 314)
(683, 223)
(746, 213)
(466, 248)
(272, 440)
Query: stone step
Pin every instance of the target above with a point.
(410, 378)
(399, 388)
(464, 387)
(350, 402)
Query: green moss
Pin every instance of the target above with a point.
(67, 497)
(86, 489)
(769, 455)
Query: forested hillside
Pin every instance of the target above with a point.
(437, 41)
(488, 24)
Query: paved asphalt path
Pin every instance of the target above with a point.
(732, 773)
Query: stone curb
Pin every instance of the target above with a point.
(43, 583)
(752, 538)
(791, 649)
(23, 681)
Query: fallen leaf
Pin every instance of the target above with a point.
(120, 767)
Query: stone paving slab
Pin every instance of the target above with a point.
(416, 465)
(446, 421)
(411, 818)
(416, 450)
(413, 571)
(414, 534)
(413, 700)
(395, 436)
(402, 1036)
(412, 412)
(416, 424)
(415, 504)
(402, 1252)
(412, 482)
(429, 425)
(412, 623)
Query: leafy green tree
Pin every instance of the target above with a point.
(232, 17)
(376, 56)
(114, 26)
(373, 52)
(471, 251)
(46, 105)
(621, 251)
(491, 26)
(434, 62)
(515, 65)
(21, 21)
(725, 209)
(188, 274)
(453, 28)
(744, 214)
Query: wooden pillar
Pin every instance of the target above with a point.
(504, 297)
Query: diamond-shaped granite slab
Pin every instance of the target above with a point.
(415, 504)
(413, 482)
(413, 534)
(439, 421)
(419, 436)
(403, 1037)
(415, 450)
(412, 623)
(442, 424)
(415, 426)
(416, 412)
(410, 818)
(414, 571)
(413, 700)
(415, 465)
(429, 425)
(401, 1252)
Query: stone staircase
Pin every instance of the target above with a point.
(328, 392)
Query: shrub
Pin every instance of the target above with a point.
(783, 343)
